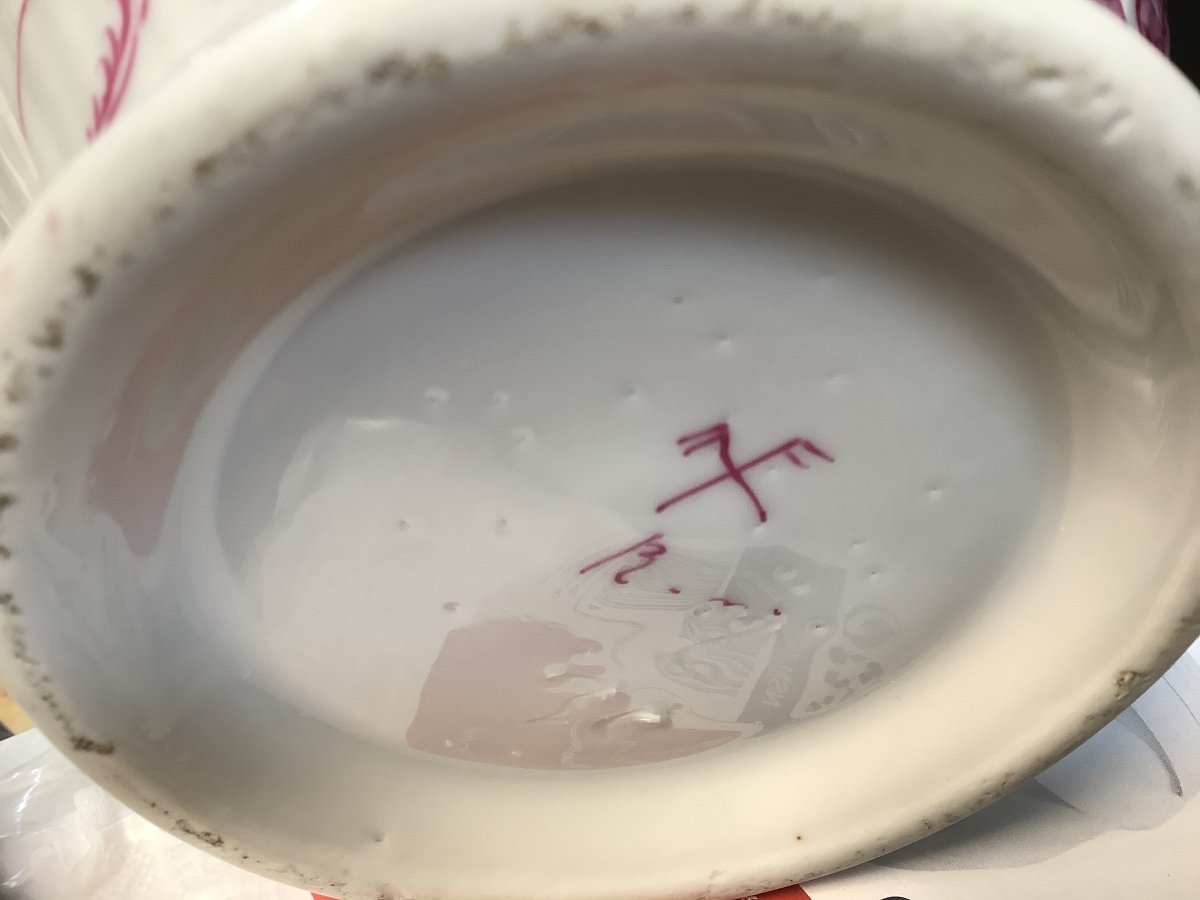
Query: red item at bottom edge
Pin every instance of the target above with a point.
(791, 893)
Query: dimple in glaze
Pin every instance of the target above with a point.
(746, 663)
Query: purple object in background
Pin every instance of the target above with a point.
(1148, 16)
(1152, 22)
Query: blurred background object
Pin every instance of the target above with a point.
(12, 717)
(1184, 17)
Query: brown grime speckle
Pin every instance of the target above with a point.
(792, 17)
(799, 837)
(209, 837)
(51, 335)
(1044, 72)
(88, 280)
(514, 37)
(204, 167)
(332, 96)
(87, 745)
(16, 389)
(1187, 187)
(589, 25)
(1128, 681)
(378, 73)
(5, 553)
(688, 14)
(8, 443)
(433, 65)
(19, 648)
(6, 500)
(747, 11)
(436, 65)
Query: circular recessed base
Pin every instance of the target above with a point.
(625, 471)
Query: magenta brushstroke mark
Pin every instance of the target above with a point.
(1114, 6)
(1152, 22)
(1150, 18)
(721, 437)
(20, 54)
(117, 64)
(648, 552)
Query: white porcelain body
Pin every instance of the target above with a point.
(325, 425)
(72, 66)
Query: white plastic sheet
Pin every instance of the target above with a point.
(63, 838)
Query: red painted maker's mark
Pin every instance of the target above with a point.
(721, 437)
(648, 551)
(117, 64)
(674, 590)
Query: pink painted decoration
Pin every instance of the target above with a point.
(1152, 22)
(20, 50)
(1148, 16)
(117, 63)
(1115, 6)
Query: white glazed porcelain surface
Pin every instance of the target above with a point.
(70, 67)
(658, 454)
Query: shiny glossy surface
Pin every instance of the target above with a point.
(276, 401)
